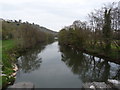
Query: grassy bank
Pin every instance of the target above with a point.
(10, 52)
(8, 58)
(0, 63)
(113, 55)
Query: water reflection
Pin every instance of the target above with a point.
(30, 61)
(89, 68)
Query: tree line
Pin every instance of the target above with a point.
(100, 34)
(25, 34)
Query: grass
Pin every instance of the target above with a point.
(0, 50)
(112, 55)
(0, 62)
(8, 45)
(7, 49)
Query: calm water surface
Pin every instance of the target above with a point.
(53, 66)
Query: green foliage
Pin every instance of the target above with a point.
(74, 37)
(8, 71)
(8, 28)
(6, 79)
(0, 82)
(28, 36)
(107, 30)
(25, 34)
(63, 36)
(7, 45)
(0, 52)
(96, 42)
(7, 60)
(49, 37)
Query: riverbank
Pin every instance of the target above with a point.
(112, 56)
(10, 52)
(9, 55)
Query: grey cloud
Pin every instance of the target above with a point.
(54, 15)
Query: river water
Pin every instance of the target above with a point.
(54, 66)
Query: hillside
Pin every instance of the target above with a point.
(46, 30)
(10, 26)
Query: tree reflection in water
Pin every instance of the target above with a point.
(30, 61)
(89, 68)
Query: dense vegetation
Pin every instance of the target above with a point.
(8, 57)
(99, 36)
(26, 34)
(17, 38)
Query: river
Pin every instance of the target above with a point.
(53, 66)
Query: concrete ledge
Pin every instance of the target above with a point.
(22, 86)
(96, 85)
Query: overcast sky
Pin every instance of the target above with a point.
(53, 14)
